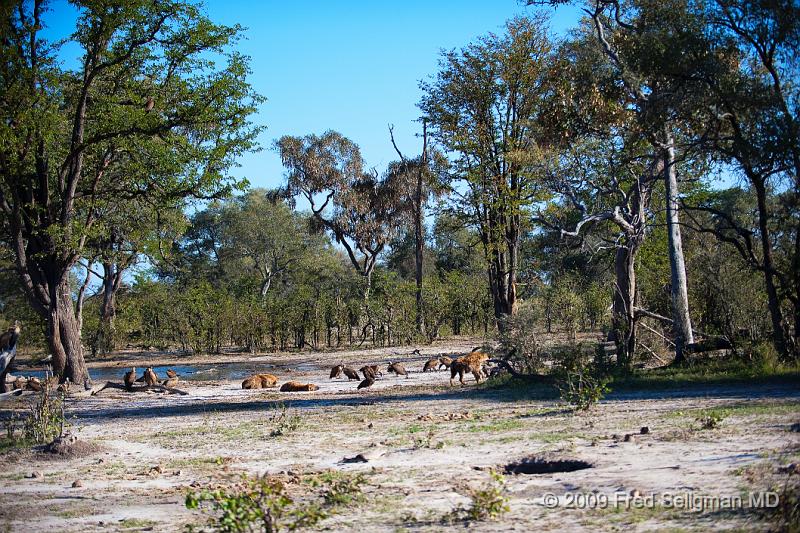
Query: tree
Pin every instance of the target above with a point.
(613, 188)
(146, 98)
(752, 79)
(415, 181)
(260, 233)
(483, 107)
(642, 50)
(125, 232)
(358, 209)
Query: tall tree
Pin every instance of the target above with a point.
(147, 96)
(261, 234)
(416, 180)
(752, 75)
(483, 107)
(358, 209)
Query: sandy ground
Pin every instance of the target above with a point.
(427, 445)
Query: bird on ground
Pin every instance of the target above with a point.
(431, 365)
(370, 371)
(398, 369)
(336, 371)
(8, 350)
(368, 382)
(350, 373)
(150, 377)
(171, 373)
(130, 378)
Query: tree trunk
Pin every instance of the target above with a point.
(503, 287)
(64, 337)
(418, 256)
(112, 278)
(266, 285)
(773, 301)
(624, 302)
(679, 291)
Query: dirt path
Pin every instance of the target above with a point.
(426, 444)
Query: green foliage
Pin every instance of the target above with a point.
(263, 504)
(710, 419)
(284, 422)
(519, 342)
(581, 383)
(45, 420)
(488, 501)
(429, 441)
(339, 488)
(253, 505)
(705, 373)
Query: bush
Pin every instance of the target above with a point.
(284, 422)
(582, 383)
(45, 421)
(338, 488)
(519, 342)
(489, 501)
(262, 504)
(254, 505)
(710, 419)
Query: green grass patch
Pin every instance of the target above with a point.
(506, 424)
(137, 523)
(7, 444)
(740, 409)
(705, 373)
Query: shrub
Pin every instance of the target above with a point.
(45, 421)
(339, 488)
(488, 501)
(519, 342)
(710, 419)
(284, 422)
(261, 505)
(581, 383)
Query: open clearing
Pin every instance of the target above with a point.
(426, 445)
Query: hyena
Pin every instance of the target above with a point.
(472, 362)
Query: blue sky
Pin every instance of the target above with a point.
(353, 67)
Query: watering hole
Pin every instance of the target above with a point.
(199, 372)
(544, 465)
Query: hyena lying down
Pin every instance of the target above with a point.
(260, 381)
(472, 362)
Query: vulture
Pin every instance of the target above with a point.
(398, 369)
(336, 371)
(171, 373)
(130, 378)
(170, 383)
(350, 373)
(370, 371)
(431, 365)
(150, 377)
(368, 382)
(8, 350)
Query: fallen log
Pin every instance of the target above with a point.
(708, 345)
(505, 364)
(141, 388)
(15, 393)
